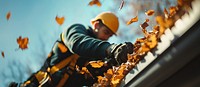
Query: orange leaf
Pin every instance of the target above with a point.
(2, 53)
(23, 42)
(95, 2)
(135, 19)
(160, 20)
(60, 20)
(143, 49)
(99, 78)
(149, 12)
(151, 41)
(172, 10)
(8, 15)
(110, 71)
(96, 64)
(122, 4)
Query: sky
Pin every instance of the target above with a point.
(35, 19)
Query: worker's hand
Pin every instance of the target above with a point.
(119, 52)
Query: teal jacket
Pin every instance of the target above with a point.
(76, 40)
(82, 41)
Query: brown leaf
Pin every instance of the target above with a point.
(144, 25)
(122, 4)
(2, 53)
(95, 2)
(8, 15)
(135, 19)
(149, 12)
(156, 29)
(145, 32)
(60, 20)
(166, 13)
(23, 42)
(147, 20)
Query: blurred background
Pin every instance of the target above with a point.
(35, 19)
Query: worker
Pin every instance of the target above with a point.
(76, 46)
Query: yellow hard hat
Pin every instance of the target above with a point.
(109, 19)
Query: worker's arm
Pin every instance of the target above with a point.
(78, 41)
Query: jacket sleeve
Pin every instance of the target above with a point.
(78, 41)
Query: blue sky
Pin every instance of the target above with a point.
(35, 19)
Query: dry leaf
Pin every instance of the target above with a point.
(135, 19)
(116, 80)
(95, 2)
(122, 4)
(99, 78)
(172, 10)
(149, 12)
(144, 25)
(23, 42)
(60, 20)
(8, 15)
(151, 41)
(145, 32)
(147, 20)
(160, 20)
(166, 13)
(143, 49)
(2, 53)
(156, 30)
(96, 64)
(145, 44)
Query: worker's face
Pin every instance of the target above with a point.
(104, 33)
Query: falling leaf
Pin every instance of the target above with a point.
(2, 53)
(144, 25)
(23, 42)
(147, 20)
(149, 12)
(122, 4)
(8, 15)
(60, 20)
(95, 2)
(135, 19)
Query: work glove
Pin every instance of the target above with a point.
(119, 52)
